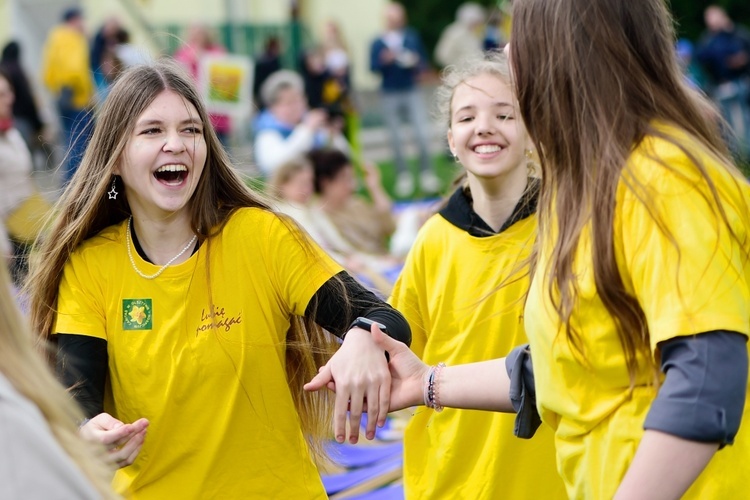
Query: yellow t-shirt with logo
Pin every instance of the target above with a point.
(598, 422)
(223, 423)
(446, 294)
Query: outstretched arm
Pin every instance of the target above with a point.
(481, 386)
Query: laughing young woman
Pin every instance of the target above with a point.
(183, 305)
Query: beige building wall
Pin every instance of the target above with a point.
(5, 33)
(360, 20)
(144, 17)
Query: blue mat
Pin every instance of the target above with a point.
(338, 482)
(352, 456)
(391, 492)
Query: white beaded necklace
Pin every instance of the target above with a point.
(165, 266)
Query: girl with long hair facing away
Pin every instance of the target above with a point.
(638, 311)
(42, 454)
(462, 292)
(184, 308)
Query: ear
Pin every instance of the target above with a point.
(451, 144)
(528, 143)
(116, 170)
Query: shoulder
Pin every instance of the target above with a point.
(108, 240)
(14, 137)
(251, 218)
(255, 225)
(664, 173)
(358, 205)
(435, 233)
(668, 158)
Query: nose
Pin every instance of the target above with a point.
(485, 125)
(173, 143)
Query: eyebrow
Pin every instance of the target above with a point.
(194, 121)
(494, 105)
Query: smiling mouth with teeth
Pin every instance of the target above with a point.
(487, 148)
(171, 174)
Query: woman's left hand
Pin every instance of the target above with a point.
(359, 375)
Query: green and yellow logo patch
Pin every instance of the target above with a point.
(136, 314)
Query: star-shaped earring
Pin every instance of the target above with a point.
(112, 193)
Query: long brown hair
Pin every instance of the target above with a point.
(26, 370)
(84, 210)
(592, 77)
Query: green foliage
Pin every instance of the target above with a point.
(431, 17)
(688, 14)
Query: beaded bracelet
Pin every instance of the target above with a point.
(431, 393)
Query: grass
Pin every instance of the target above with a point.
(445, 168)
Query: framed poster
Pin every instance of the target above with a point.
(226, 82)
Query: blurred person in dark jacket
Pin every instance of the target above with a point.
(25, 111)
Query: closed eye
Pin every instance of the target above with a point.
(150, 131)
(193, 130)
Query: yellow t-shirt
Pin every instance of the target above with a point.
(598, 422)
(65, 63)
(223, 423)
(441, 292)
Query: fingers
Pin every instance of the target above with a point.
(133, 456)
(355, 414)
(125, 454)
(104, 421)
(322, 379)
(384, 403)
(340, 406)
(120, 434)
(372, 411)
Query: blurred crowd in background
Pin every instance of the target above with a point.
(304, 134)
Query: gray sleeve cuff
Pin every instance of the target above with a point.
(703, 395)
(522, 391)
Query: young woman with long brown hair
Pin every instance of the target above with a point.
(638, 311)
(183, 307)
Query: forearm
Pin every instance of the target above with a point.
(664, 467)
(477, 386)
(380, 199)
(342, 299)
(271, 149)
(82, 364)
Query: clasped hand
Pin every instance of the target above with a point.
(365, 382)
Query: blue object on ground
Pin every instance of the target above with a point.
(351, 456)
(338, 482)
(390, 492)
